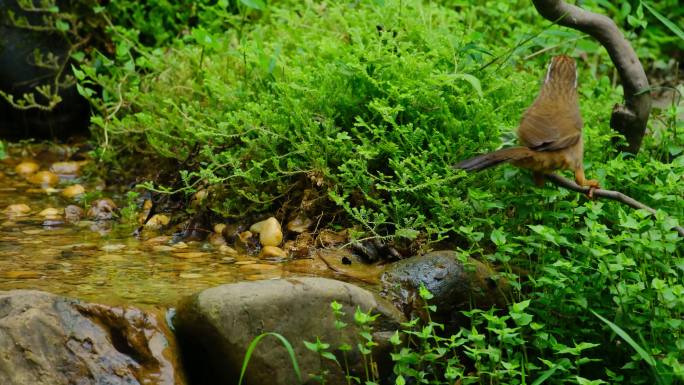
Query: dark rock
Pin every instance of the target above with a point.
(216, 326)
(51, 340)
(455, 285)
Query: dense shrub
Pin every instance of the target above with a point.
(369, 103)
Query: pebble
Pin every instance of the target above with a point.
(162, 248)
(157, 222)
(73, 191)
(225, 249)
(300, 224)
(272, 251)
(50, 212)
(113, 247)
(66, 168)
(17, 209)
(26, 168)
(219, 227)
(216, 239)
(269, 230)
(102, 209)
(73, 213)
(44, 178)
(198, 198)
(180, 245)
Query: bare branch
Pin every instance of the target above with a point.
(609, 194)
(628, 119)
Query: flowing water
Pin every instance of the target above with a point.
(101, 261)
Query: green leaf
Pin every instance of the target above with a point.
(618, 330)
(474, 82)
(254, 4)
(253, 345)
(498, 237)
(672, 26)
(548, 373)
(62, 25)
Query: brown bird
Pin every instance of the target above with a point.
(550, 130)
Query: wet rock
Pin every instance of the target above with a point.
(27, 167)
(51, 340)
(216, 326)
(73, 191)
(272, 252)
(17, 209)
(73, 213)
(269, 230)
(44, 178)
(455, 285)
(102, 209)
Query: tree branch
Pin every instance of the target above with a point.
(610, 194)
(628, 119)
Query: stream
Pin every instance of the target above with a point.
(102, 261)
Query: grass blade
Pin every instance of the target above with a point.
(253, 345)
(623, 334)
(672, 26)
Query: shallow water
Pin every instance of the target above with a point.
(102, 262)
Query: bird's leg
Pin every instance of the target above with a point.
(593, 184)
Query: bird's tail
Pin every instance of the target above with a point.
(494, 158)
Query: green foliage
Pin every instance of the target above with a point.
(370, 103)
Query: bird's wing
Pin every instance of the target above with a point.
(542, 130)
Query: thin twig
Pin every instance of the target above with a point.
(610, 194)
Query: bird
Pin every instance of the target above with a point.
(550, 131)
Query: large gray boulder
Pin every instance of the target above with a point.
(215, 327)
(46, 339)
(455, 285)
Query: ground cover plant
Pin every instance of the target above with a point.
(369, 103)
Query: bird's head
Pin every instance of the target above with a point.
(562, 72)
